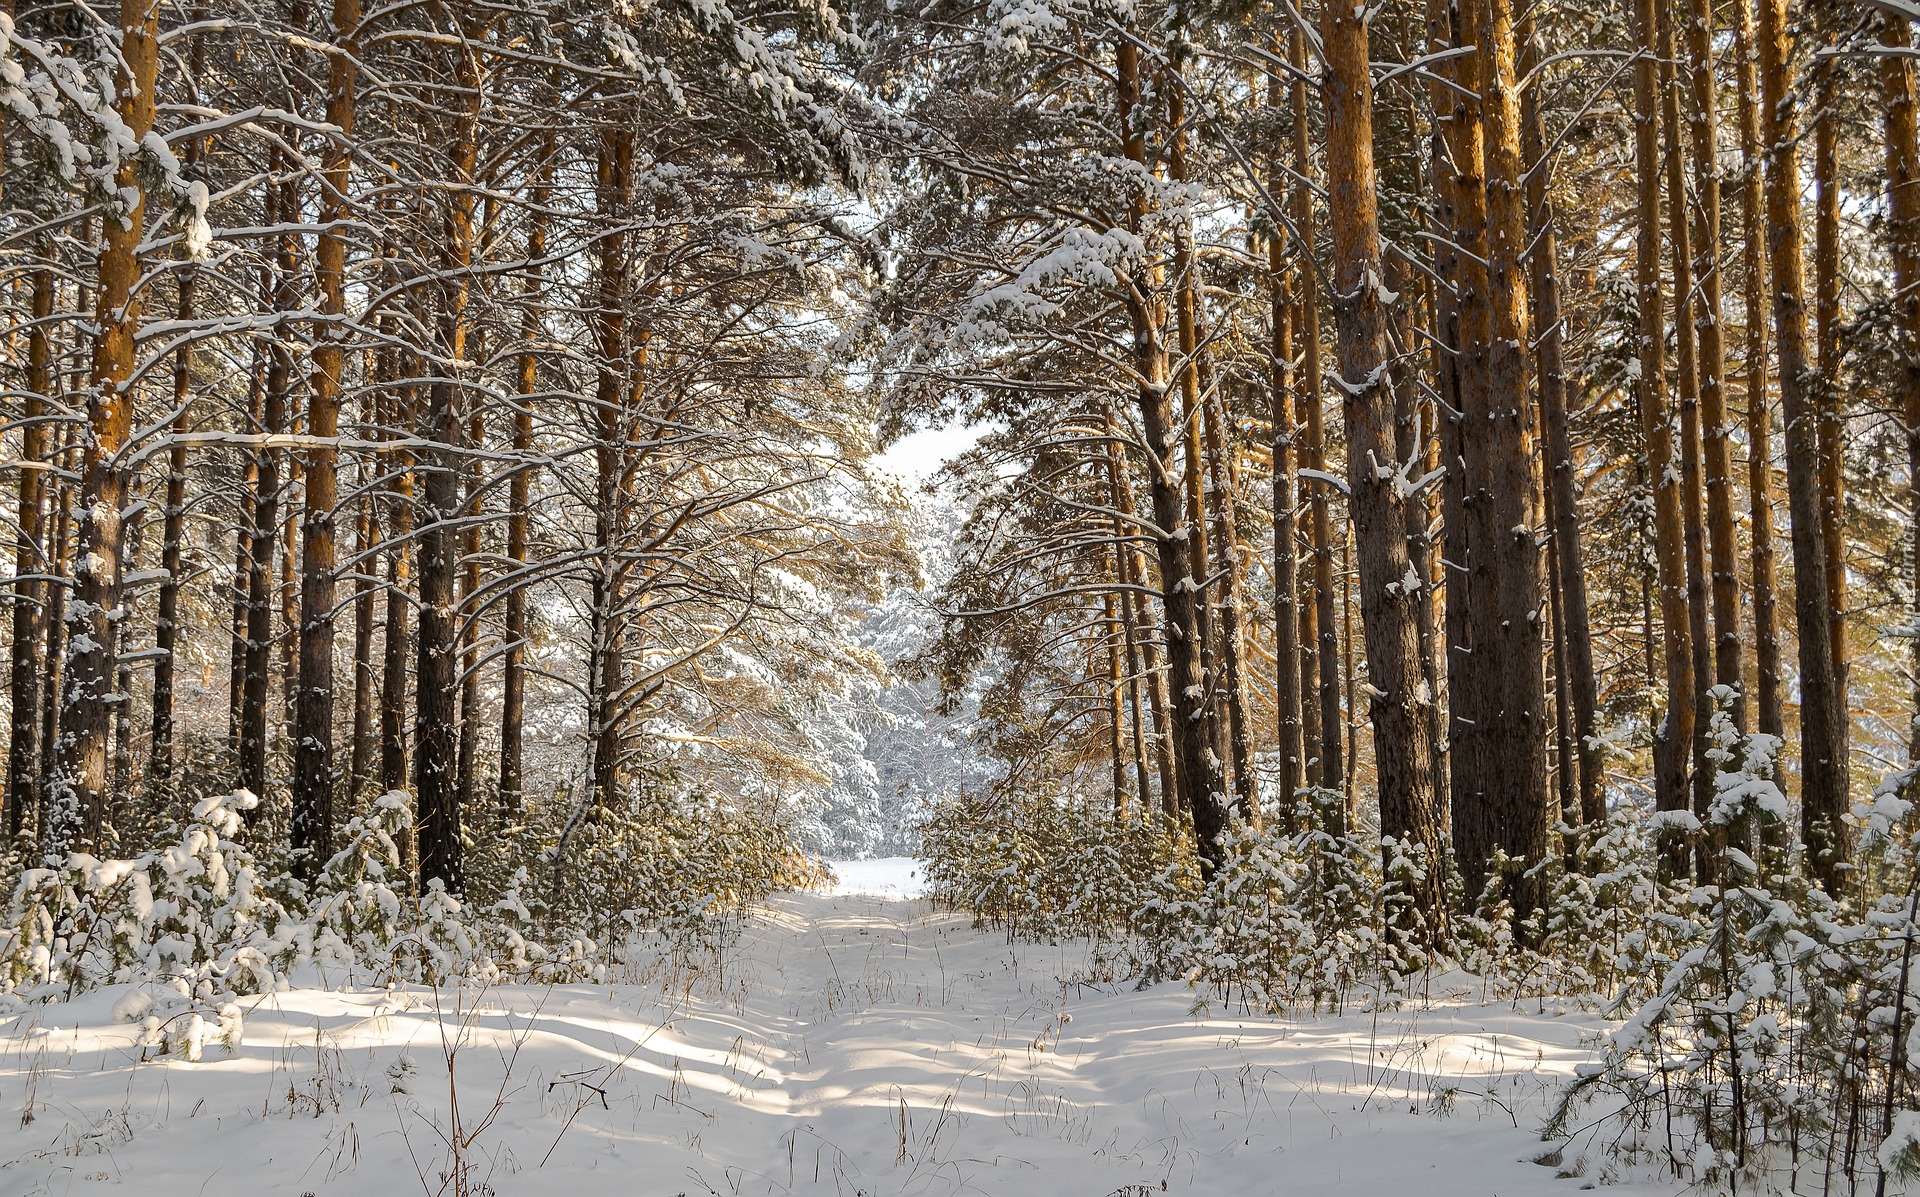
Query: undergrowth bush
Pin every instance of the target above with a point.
(1289, 918)
(1773, 1051)
(1764, 1032)
(199, 919)
(1044, 867)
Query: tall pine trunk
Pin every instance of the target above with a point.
(264, 543)
(437, 649)
(80, 798)
(612, 410)
(1711, 345)
(1903, 239)
(1134, 575)
(366, 548)
(513, 679)
(395, 639)
(1673, 739)
(1289, 747)
(1506, 667)
(1397, 705)
(166, 632)
(313, 781)
(60, 574)
(1573, 633)
(1767, 715)
(1197, 744)
(1823, 730)
(1825, 390)
(1329, 762)
(166, 629)
(241, 595)
(31, 565)
(1686, 378)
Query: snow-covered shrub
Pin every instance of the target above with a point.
(192, 915)
(1600, 933)
(1289, 918)
(1041, 866)
(1763, 1055)
(365, 914)
(660, 861)
(361, 897)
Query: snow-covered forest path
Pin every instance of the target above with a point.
(849, 1044)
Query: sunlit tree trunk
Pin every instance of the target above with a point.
(166, 629)
(264, 543)
(1509, 800)
(1209, 485)
(612, 410)
(1823, 732)
(1903, 239)
(241, 592)
(1330, 768)
(60, 569)
(1457, 116)
(166, 632)
(366, 548)
(313, 780)
(1134, 574)
(395, 644)
(80, 798)
(1573, 633)
(470, 510)
(1716, 428)
(1397, 702)
(437, 648)
(1686, 379)
(1673, 739)
(1198, 749)
(513, 680)
(1289, 748)
(1824, 384)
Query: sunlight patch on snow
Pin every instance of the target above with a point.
(843, 1043)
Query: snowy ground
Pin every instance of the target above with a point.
(850, 1044)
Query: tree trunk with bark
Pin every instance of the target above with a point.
(1768, 717)
(80, 798)
(513, 679)
(313, 780)
(1328, 767)
(1710, 334)
(437, 649)
(31, 565)
(1823, 730)
(1503, 481)
(1824, 384)
(1673, 738)
(1903, 239)
(1573, 632)
(264, 542)
(1289, 747)
(1197, 745)
(1397, 703)
(1686, 379)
